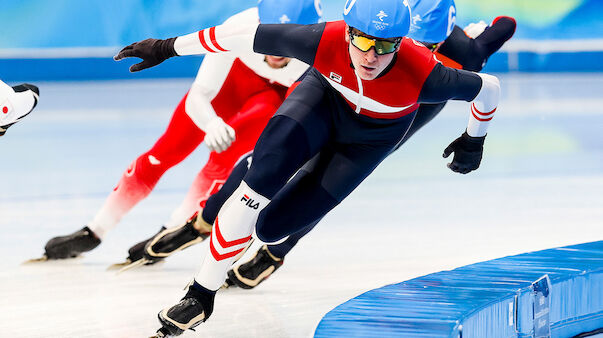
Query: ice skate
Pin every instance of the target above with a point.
(16, 103)
(250, 274)
(192, 310)
(176, 239)
(161, 333)
(135, 253)
(69, 246)
(170, 241)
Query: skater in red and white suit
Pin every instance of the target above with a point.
(228, 105)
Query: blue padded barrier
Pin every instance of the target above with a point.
(91, 68)
(534, 62)
(556, 292)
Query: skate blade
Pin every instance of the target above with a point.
(228, 286)
(160, 334)
(118, 266)
(68, 260)
(35, 260)
(133, 265)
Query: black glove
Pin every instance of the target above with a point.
(151, 51)
(467, 153)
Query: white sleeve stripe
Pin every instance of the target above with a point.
(483, 106)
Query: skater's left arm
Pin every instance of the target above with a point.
(288, 40)
(218, 39)
(483, 91)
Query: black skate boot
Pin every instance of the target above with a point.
(135, 253)
(196, 306)
(72, 245)
(175, 239)
(251, 274)
(165, 243)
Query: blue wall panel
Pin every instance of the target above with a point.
(557, 292)
(75, 69)
(60, 26)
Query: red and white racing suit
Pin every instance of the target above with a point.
(241, 89)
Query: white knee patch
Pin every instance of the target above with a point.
(231, 234)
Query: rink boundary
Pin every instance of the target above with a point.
(513, 46)
(96, 63)
(555, 291)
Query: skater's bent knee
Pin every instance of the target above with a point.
(268, 236)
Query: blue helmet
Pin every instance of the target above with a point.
(380, 18)
(432, 20)
(290, 11)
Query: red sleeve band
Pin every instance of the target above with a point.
(212, 40)
(202, 39)
(484, 116)
(212, 37)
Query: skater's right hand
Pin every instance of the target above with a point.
(151, 51)
(467, 153)
(218, 135)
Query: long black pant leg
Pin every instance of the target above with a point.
(215, 201)
(309, 197)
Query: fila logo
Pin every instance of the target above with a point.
(335, 77)
(250, 202)
(381, 15)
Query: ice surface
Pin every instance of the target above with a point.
(540, 186)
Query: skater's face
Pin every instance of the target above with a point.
(368, 64)
(276, 62)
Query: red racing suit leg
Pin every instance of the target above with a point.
(248, 125)
(180, 138)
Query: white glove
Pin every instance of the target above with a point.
(473, 30)
(218, 135)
